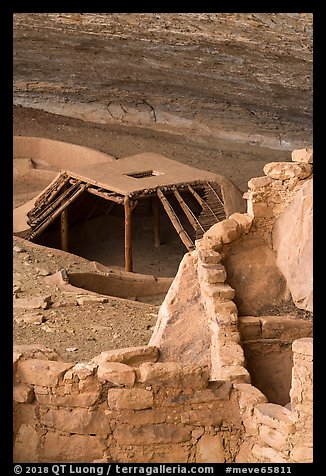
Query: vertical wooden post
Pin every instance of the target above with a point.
(64, 229)
(156, 222)
(128, 236)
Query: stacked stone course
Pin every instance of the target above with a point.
(104, 410)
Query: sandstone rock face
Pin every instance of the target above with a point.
(250, 265)
(292, 240)
(180, 316)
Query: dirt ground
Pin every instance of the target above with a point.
(226, 93)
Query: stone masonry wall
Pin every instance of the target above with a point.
(267, 344)
(277, 434)
(123, 406)
(270, 195)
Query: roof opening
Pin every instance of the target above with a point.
(146, 173)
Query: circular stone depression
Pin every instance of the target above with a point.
(136, 287)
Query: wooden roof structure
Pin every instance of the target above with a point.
(126, 182)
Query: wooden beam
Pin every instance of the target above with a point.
(128, 235)
(156, 222)
(38, 230)
(188, 212)
(106, 195)
(175, 221)
(202, 202)
(51, 206)
(64, 229)
(51, 190)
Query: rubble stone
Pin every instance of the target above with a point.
(129, 355)
(41, 372)
(287, 170)
(116, 373)
(302, 155)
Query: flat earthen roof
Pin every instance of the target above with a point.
(117, 176)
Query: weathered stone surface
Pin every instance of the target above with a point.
(302, 454)
(152, 434)
(26, 444)
(207, 417)
(235, 373)
(303, 346)
(212, 273)
(116, 373)
(15, 358)
(147, 417)
(218, 390)
(81, 421)
(174, 374)
(210, 449)
(42, 272)
(259, 182)
(302, 155)
(42, 302)
(287, 170)
(167, 453)
(249, 328)
(224, 231)
(180, 316)
(23, 393)
(292, 241)
(18, 249)
(274, 438)
(245, 452)
(259, 209)
(35, 318)
(37, 351)
(244, 220)
(284, 327)
(263, 453)
(86, 399)
(72, 448)
(275, 416)
(197, 433)
(45, 373)
(250, 264)
(28, 415)
(249, 396)
(231, 353)
(220, 291)
(129, 355)
(136, 399)
(225, 313)
(83, 370)
(209, 256)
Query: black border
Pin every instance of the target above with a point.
(6, 188)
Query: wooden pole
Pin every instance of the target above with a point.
(188, 212)
(64, 229)
(175, 221)
(128, 237)
(38, 230)
(51, 206)
(156, 222)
